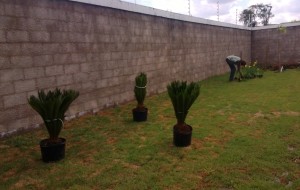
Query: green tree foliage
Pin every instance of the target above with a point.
(248, 17)
(258, 11)
(263, 12)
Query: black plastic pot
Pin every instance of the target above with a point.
(139, 115)
(52, 152)
(182, 139)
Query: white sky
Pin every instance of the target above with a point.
(284, 10)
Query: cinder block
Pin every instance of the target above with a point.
(74, 109)
(77, 37)
(88, 86)
(32, 49)
(62, 58)
(10, 49)
(56, 14)
(105, 56)
(86, 67)
(78, 58)
(17, 36)
(15, 10)
(64, 80)
(34, 72)
(83, 48)
(111, 64)
(11, 75)
(72, 68)
(54, 70)
(29, 24)
(59, 37)
(4, 62)
(74, 17)
(103, 38)
(91, 104)
(8, 114)
(128, 71)
(14, 100)
(118, 72)
(51, 48)
(95, 75)
(101, 20)
(47, 82)
(38, 13)
(116, 56)
(25, 85)
(89, 38)
(24, 111)
(2, 9)
(67, 48)
(114, 81)
(7, 22)
(81, 77)
(42, 60)
(39, 36)
(107, 74)
(2, 36)
(6, 88)
(21, 61)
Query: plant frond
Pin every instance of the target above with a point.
(183, 96)
(52, 106)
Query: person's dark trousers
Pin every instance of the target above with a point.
(232, 69)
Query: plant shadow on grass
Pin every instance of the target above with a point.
(245, 136)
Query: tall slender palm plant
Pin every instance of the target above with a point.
(52, 107)
(140, 89)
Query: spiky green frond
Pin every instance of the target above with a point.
(183, 96)
(52, 107)
(140, 88)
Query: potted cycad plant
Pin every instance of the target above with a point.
(52, 107)
(140, 112)
(182, 95)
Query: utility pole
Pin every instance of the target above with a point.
(218, 10)
(189, 7)
(236, 15)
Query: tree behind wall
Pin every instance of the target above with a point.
(264, 13)
(248, 17)
(260, 11)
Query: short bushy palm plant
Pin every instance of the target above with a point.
(140, 89)
(182, 95)
(252, 71)
(52, 107)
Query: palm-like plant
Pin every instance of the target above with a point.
(182, 95)
(52, 107)
(140, 89)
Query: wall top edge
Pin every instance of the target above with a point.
(117, 4)
(289, 24)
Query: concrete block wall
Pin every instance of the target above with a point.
(98, 51)
(273, 49)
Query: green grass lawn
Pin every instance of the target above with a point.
(246, 135)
